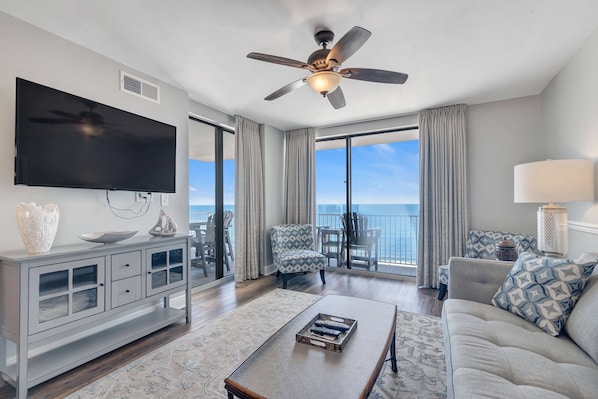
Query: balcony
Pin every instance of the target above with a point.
(398, 237)
(203, 267)
(397, 252)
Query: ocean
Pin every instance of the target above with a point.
(200, 213)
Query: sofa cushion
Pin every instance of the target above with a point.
(492, 353)
(582, 324)
(301, 260)
(543, 290)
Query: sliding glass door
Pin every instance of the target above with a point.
(211, 201)
(376, 177)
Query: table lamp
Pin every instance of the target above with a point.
(563, 180)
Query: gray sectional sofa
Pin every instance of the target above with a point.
(493, 353)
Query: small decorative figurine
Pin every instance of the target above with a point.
(165, 226)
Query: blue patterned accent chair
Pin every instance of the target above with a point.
(481, 244)
(294, 251)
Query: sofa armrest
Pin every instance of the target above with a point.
(476, 279)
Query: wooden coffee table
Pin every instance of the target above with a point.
(284, 368)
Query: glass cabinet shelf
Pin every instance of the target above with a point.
(86, 275)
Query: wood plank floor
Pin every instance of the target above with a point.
(215, 301)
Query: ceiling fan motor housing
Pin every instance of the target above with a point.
(318, 59)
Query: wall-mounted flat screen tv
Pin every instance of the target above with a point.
(63, 140)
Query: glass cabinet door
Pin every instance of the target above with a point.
(65, 292)
(166, 269)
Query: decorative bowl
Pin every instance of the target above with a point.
(107, 237)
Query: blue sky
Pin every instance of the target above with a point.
(202, 181)
(382, 174)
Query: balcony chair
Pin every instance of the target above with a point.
(331, 244)
(481, 244)
(293, 251)
(360, 240)
(228, 245)
(204, 243)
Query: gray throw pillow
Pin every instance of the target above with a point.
(543, 290)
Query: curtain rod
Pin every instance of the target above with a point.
(336, 137)
(212, 123)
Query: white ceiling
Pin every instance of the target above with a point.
(457, 51)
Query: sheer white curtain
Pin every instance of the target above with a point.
(444, 207)
(300, 176)
(249, 201)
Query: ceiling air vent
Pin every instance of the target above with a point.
(139, 87)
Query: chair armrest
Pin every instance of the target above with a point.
(476, 279)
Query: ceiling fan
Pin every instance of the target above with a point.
(324, 64)
(89, 122)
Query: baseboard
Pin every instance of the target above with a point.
(269, 269)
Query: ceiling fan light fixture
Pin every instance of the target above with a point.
(324, 82)
(90, 129)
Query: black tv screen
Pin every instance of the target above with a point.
(63, 140)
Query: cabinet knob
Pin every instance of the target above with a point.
(127, 291)
(101, 284)
(127, 265)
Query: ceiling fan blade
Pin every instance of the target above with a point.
(348, 44)
(278, 60)
(337, 98)
(286, 89)
(54, 121)
(65, 114)
(374, 75)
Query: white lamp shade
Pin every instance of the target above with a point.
(561, 180)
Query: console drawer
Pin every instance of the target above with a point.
(127, 264)
(126, 291)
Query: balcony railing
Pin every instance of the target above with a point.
(398, 235)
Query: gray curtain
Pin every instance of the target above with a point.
(249, 201)
(300, 176)
(444, 208)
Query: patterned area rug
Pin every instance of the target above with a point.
(195, 366)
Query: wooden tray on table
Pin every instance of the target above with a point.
(328, 342)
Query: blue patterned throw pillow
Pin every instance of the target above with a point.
(543, 290)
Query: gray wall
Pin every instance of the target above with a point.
(35, 55)
(570, 130)
(501, 135)
(559, 123)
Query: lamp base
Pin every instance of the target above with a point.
(552, 230)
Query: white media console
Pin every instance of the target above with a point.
(75, 303)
